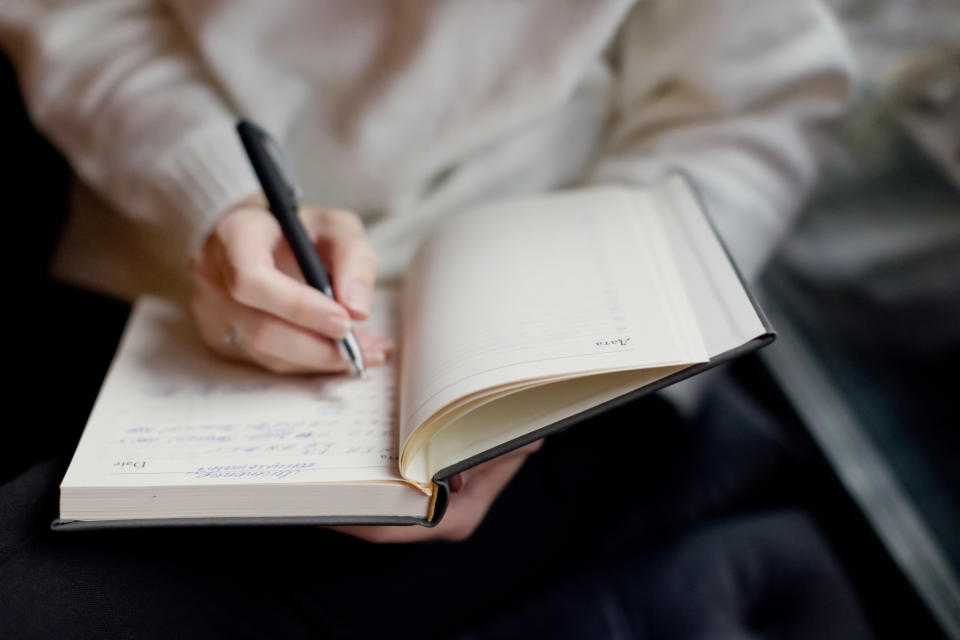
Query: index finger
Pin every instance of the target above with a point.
(253, 279)
(341, 237)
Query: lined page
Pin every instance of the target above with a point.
(563, 284)
(726, 317)
(172, 413)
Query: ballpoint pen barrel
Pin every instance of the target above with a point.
(281, 193)
(304, 250)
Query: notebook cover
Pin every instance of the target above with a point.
(439, 508)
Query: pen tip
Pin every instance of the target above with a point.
(363, 374)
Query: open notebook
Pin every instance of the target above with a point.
(518, 319)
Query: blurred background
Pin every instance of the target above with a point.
(865, 296)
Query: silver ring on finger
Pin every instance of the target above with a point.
(231, 337)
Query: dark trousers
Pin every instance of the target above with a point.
(636, 524)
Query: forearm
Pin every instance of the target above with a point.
(740, 106)
(115, 85)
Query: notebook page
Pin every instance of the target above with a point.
(555, 285)
(726, 317)
(172, 413)
(520, 413)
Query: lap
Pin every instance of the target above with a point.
(607, 490)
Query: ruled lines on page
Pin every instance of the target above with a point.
(172, 412)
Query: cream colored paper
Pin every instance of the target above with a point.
(171, 412)
(538, 290)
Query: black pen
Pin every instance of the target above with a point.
(282, 192)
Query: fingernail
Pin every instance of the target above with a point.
(359, 296)
(375, 358)
(334, 326)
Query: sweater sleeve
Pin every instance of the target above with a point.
(116, 87)
(738, 97)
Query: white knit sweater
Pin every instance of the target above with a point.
(406, 111)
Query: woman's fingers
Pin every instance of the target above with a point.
(240, 332)
(469, 503)
(243, 248)
(280, 346)
(251, 302)
(342, 243)
(377, 348)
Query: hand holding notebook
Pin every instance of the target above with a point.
(472, 493)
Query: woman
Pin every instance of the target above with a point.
(396, 114)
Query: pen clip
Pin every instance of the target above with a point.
(272, 147)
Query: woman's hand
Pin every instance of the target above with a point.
(251, 303)
(472, 494)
